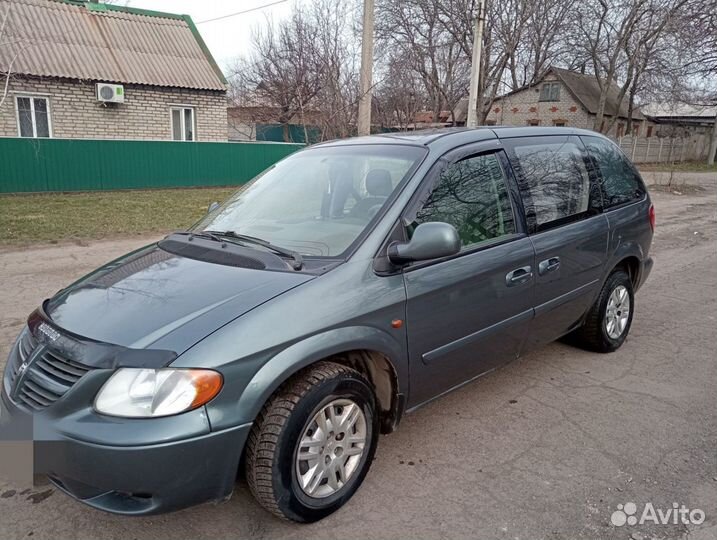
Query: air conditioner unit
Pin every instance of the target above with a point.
(110, 93)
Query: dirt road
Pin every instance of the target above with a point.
(547, 447)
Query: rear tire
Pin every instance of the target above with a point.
(312, 443)
(608, 322)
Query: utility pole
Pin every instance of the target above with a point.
(713, 143)
(473, 97)
(364, 110)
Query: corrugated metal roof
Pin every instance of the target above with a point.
(679, 110)
(54, 38)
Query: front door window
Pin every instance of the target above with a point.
(471, 195)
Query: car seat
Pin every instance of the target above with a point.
(378, 187)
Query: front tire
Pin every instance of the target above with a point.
(609, 319)
(313, 443)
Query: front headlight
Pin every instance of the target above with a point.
(147, 393)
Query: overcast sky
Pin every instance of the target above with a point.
(228, 37)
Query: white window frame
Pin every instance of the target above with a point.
(547, 88)
(32, 98)
(183, 126)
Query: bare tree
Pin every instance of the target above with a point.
(697, 38)
(337, 62)
(282, 70)
(647, 43)
(522, 38)
(415, 30)
(300, 67)
(619, 40)
(399, 96)
(542, 43)
(602, 30)
(638, 50)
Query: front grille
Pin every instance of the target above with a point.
(26, 345)
(47, 377)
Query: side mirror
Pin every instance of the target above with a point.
(431, 240)
(212, 207)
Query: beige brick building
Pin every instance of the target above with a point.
(563, 98)
(170, 88)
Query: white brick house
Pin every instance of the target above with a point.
(59, 50)
(562, 98)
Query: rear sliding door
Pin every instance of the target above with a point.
(563, 207)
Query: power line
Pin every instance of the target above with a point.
(242, 12)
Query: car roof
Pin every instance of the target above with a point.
(457, 136)
(423, 137)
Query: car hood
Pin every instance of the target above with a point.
(155, 299)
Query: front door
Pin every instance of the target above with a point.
(563, 206)
(468, 313)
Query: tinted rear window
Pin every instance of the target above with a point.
(620, 182)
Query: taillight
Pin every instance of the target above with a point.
(652, 217)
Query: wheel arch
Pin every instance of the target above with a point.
(372, 352)
(629, 256)
(631, 265)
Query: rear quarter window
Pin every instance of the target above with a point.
(620, 181)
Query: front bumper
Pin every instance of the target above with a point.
(123, 465)
(139, 479)
(146, 479)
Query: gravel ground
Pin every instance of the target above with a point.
(547, 447)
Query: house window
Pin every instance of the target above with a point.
(550, 92)
(33, 116)
(533, 122)
(620, 130)
(183, 124)
(560, 123)
(635, 130)
(649, 131)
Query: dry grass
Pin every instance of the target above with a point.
(58, 217)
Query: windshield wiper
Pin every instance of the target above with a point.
(298, 261)
(201, 234)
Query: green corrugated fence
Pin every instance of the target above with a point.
(33, 165)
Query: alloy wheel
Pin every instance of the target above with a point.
(617, 313)
(331, 447)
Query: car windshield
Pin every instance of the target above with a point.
(318, 201)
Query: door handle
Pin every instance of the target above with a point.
(548, 265)
(518, 276)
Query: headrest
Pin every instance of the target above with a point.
(378, 183)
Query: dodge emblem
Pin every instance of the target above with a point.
(50, 333)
